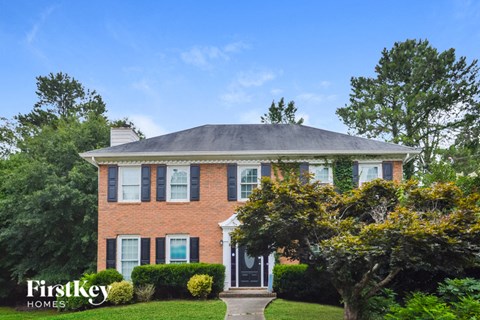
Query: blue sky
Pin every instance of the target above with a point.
(172, 65)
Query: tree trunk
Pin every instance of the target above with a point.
(351, 311)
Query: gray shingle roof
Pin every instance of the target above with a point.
(254, 138)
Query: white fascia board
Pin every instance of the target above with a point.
(86, 155)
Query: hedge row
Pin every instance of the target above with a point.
(303, 283)
(171, 280)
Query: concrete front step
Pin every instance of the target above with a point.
(247, 293)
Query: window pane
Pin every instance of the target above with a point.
(246, 190)
(130, 176)
(372, 173)
(127, 267)
(129, 249)
(321, 174)
(129, 256)
(179, 176)
(178, 249)
(130, 192)
(249, 176)
(178, 192)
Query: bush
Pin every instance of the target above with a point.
(379, 305)
(102, 278)
(144, 293)
(422, 306)
(200, 285)
(107, 277)
(121, 292)
(453, 290)
(303, 283)
(77, 303)
(467, 308)
(171, 280)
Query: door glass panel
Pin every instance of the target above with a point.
(249, 261)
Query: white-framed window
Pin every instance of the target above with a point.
(178, 186)
(248, 179)
(178, 248)
(128, 255)
(129, 183)
(322, 173)
(368, 172)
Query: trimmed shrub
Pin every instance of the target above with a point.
(107, 277)
(103, 278)
(303, 283)
(171, 280)
(200, 285)
(121, 292)
(144, 293)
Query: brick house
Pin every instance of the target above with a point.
(172, 198)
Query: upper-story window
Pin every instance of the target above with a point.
(129, 183)
(369, 171)
(178, 183)
(322, 174)
(248, 180)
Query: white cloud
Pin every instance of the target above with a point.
(235, 96)
(306, 118)
(147, 125)
(314, 97)
(250, 117)
(204, 56)
(235, 47)
(32, 34)
(254, 78)
(276, 91)
(236, 91)
(325, 84)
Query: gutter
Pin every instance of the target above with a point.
(246, 152)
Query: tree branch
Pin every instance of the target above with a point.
(382, 283)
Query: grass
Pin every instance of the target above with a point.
(165, 310)
(290, 310)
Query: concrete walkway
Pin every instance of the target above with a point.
(249, 308)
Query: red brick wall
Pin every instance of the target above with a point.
(156, 219)
(397, 171)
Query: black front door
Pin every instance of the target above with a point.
(249, 269)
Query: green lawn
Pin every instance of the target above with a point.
(290, 310)
(165, 310)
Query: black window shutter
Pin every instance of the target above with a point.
(304, 172)
(194, 182)
(266, 170)
(112, 183)
(145, 251)
(145, 183)
(161, 183)
(160, 250)
(194, 250)
(111, 253)
(232, 181)
(387, 167)
(355, 174)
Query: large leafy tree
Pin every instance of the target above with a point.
(365, 238)
(419, 97)
(48, 194)
(279, 113)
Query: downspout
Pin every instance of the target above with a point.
(94, 162)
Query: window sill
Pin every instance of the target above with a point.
(129, 202)
(177, 202)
